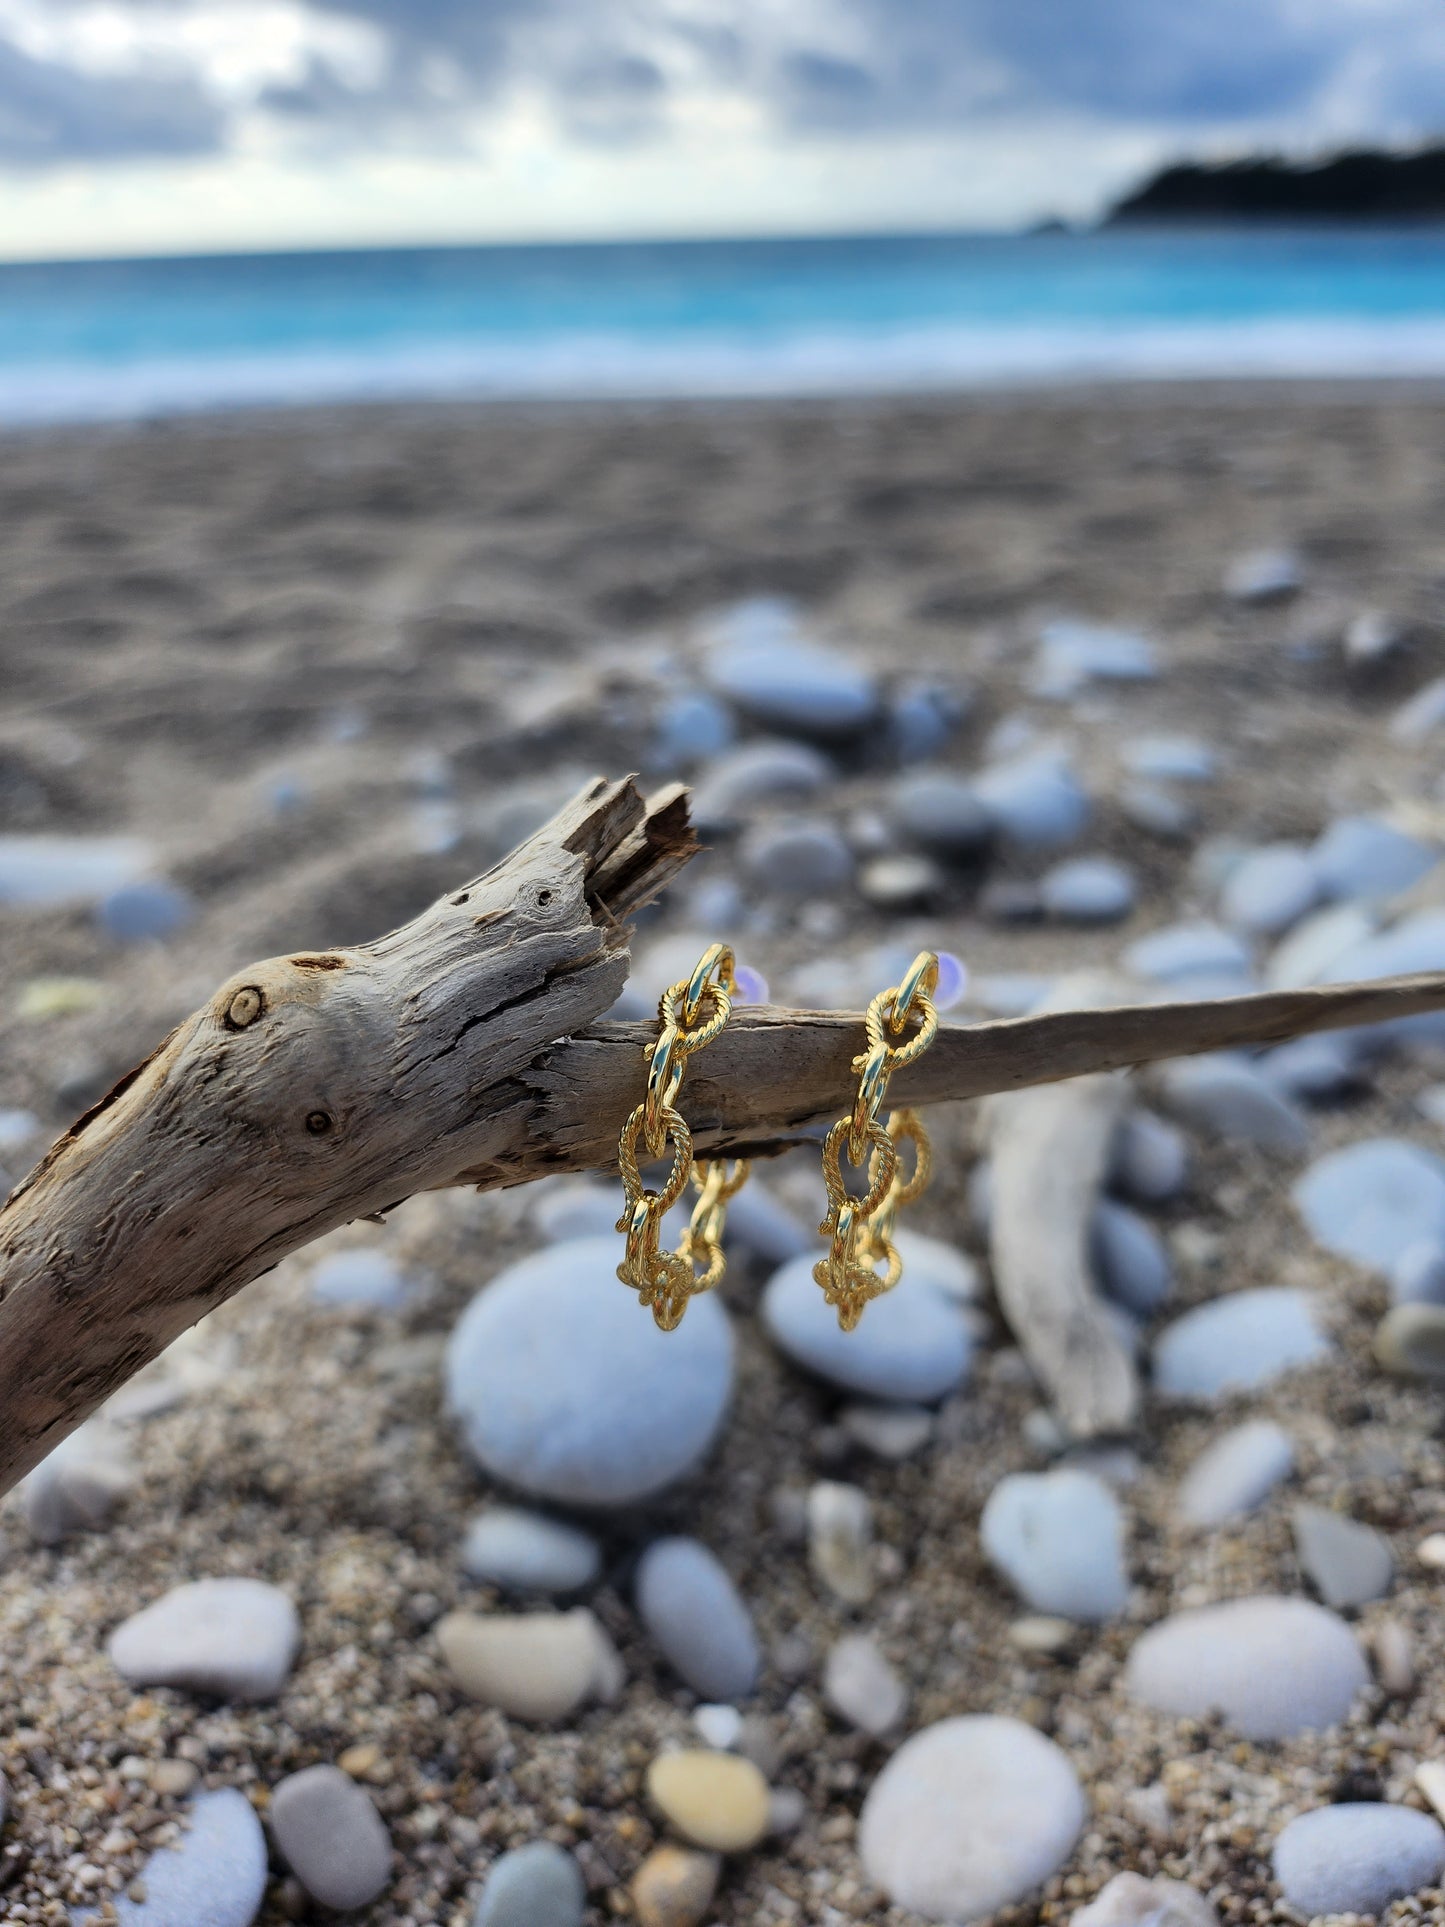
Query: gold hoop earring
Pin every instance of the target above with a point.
(690, 1015)
(860, 1228)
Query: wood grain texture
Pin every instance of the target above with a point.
(463, 1048)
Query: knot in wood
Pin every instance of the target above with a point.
(245, 1007)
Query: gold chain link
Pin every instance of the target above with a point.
(690, 1014)
(860, 1228)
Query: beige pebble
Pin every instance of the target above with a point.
(674, 1887)
(1394, 1657)
(840, 1534)
(364, 1762)
(1041, 1633)
(174, 1776)
(1431, 1552)
(1430, 1778)
(715, 1800)
(534, 1666)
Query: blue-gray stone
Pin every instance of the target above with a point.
(1269, 890)
(1149, 1159)
(1231, 1098)
(1073, 654)
(942, 812)
(1171, 759)
(1347, 1563)
(794, 686)
(736, 785)
(539, 1885)
(912, 1344)
(331, 1836)
(1130, 1259)
(1058, 1537)
(145, 911)
(1271, 1666)
(37, 871)
(1372, 1201)
(1263, 575)
(690, 727)
(1416, 943)
(566, 1389)
(1035, 801)
(525, 1552)
(921, 719)
(694, 1612)
(1088, 889)
(1318, 943)
(1237, 1343)
(1235, 1473)
(1417, 1277)
(360, 1276)
(759, 1222)
(214, 1876)
(1363, 856)
(796, 857)
(18, 1128)
(1315, 1070)
(1357, 1857)
(1184, 950)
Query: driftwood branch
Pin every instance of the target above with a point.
(463, 1048)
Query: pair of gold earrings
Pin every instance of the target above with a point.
(861, 1261)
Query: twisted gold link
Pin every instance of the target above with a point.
(860, 1229)
(690, 1015)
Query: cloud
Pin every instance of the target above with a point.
(51, 111)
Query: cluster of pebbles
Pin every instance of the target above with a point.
(431, 1583)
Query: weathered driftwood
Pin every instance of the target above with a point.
(1050, 1150)
(312, 1090)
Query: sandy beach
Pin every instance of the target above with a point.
(323, 667)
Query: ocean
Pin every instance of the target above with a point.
(119, 339)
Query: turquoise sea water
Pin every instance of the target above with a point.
(113, 339)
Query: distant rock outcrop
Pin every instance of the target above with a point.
(1358, 186)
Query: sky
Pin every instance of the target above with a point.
(165, 126)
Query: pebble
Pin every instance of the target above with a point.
(146, 911)
(525, 1552)
(674, 1887)
(331, 1837)
(1058, 1537)
(1184, 950)
(567, 1391)
(37, 872)
(1373, 636)
(1171, 759)
(890, 1432)
(1156, 810)
(922, 717)
(1238, 1343)
(797, 687)
(17, 1129)
(689, 726)
(1263, 575)
(796, 857)
(1356, 1858)
(1363, 857)
(214, 1876)
(1231, 1098)
(1130, 1900)
(1418, 719)
(1347, 1563)
(715, 1800)
(738, 784)
(1410, 1340)
(235, 1639)
(533, 1666)
(1315, 1070)
(1042, 1633)
(1235, 1473)
(1149, 1158)
(1417, 1277)
(1072, 654)
(862, 1688)
(968, 1816)
(942, 812)
(1035, 801)
(1089, 889)
(694, 1612)
(1313, 946)
(1271, 1666)
(1395, 1661)
(78, 1486)
(761, 1223)
(901, 882)
(721, 1726)
(912, 1345)
(934, 1262)
(539, 1885)
(1371, 1201)
(1270, 890)
(840, 1540)
(1130, 1258)
(359, 1276)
